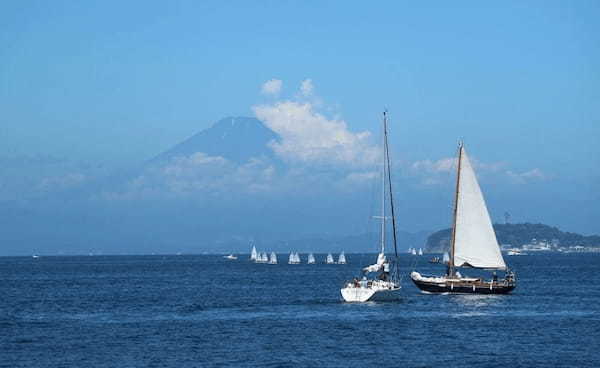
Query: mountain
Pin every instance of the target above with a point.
(234, 138)
(517, 235)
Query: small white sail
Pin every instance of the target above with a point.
(446, 258)
(253, 254)
(420, 251)
(329, 259)
(475, 242)
(342, 258)
(311, 259)
(273, 259)
(413, 251)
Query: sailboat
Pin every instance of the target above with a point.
(386, 285)
(311, 259)
(329, 259)
(262, 258)
(445, 258)
(473, 243)
(420, 252)
(342, 258)
(413, 251)
(273, 259)
(294, 258)
(253, 254)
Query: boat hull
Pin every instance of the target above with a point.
(371, 291)
(463, 287)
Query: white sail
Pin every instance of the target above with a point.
(273, 259)
(329, 259)
(311, 259)
(253, 254)
(445, 258)
(377, 266)
(413, 251)
(475, 242)
(420, 251)
(342, 258)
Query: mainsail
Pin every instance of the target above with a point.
(475, 243)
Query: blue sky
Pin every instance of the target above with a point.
(115, 83)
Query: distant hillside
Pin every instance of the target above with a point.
(517, 235)
(235, 138)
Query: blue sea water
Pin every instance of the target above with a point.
(206, 311)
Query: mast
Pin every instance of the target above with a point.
(383, 185)
(389, 177)
(451, 262)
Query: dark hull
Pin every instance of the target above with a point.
(464, 288)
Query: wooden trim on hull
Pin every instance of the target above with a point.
(462, 288)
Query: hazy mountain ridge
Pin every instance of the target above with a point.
(517, 235)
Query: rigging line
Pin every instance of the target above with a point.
(387, 155)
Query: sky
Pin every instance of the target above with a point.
(103, 86)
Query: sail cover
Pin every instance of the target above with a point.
(475, 241)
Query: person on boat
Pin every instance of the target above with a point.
(385, 275)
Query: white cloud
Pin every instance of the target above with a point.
(307, 87)
(442, 165)
(272, 87)
(439, 172)
(309, 137)
(527, 176)
(199, 174)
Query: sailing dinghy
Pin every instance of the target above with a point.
(473, 242)
(342, 258)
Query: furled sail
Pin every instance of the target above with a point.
(475, 243)
(377, 266)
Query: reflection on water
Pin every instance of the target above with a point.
(477, 300)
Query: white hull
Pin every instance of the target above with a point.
(376, 291)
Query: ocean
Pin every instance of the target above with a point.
(206, 311)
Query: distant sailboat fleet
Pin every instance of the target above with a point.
(293, 258)
(415, 252)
